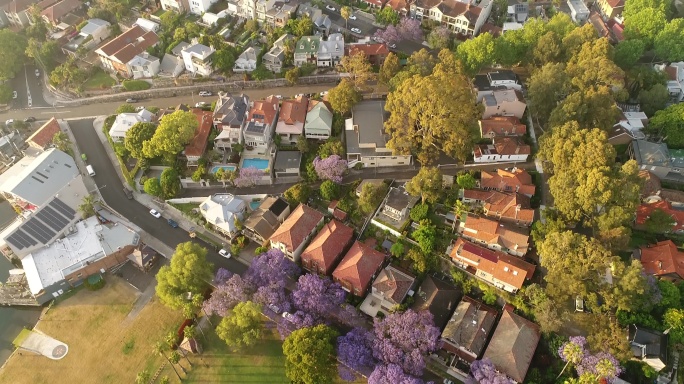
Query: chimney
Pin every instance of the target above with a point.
(660, 265)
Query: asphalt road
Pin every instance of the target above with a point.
(112, 192)
(109, 108)
(26, 83)
(365, 25)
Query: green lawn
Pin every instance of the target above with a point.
(186, 208)
(99, 80)
(136, 85)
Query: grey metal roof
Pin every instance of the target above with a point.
(399, 199)
(504, 74)
(231, 110)
(647, 153)
(369, 116)
(176, 51)
(43, 226)
(286, 160)
(93, 25)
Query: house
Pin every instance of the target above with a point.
(178, 6)
(246, 62)
(198, 145)
(171, 66)
(262, 7)
(388, 291)
(503, 103)
(90, 36)
(494, 235)
(54, 14)
(499, 269)
(230, 115)
(663, 260)
(261, 123)
(306, 50)
(327, 248)
(147, 25)
(519, 12)
(492, 29)
(10, 144)
(287, 164)
(115, 55)
(42, 138)
(309, 10)
(610, 8)
(504, 180)
(143, 257)
(459, 16)
(437, 297)
(321, 25)
(279, 15)
(197, 59)
(291, 119)
(296, 231)
(645, 210)
(331, 51)
(634, 122)
(468, 330)
(221, 210)
(336, 212)
(273, 59)
(599, 25)
(375, 52)
(398, 203)
(497, 80)
(17, 12)
(318, 122)
(263, 222)
(501, 126)
(366, 139)
(144, 66)
(649, 346)
(667, 164)
(675, 79)
(507, 207)
(124, 122)
(358, 267)
(68, 261)
(200, 7)
(398, 6)
(513, 344)
(578, 11)
(504, 149)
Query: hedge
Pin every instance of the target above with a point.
(136, 85)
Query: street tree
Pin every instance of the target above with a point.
(592, 66)
(170, 184)
(574, 41)
(152, 187)
(189, 273)
(292, 76)
(174, 132)
(5, 93)
(359, 68)
(547, 313)
(390, 67)
(329, 190)
(633, 7)
(343, 97)
(310, 355)
(298, 193)
(354, 349)
(271, 267)
(669, 42)
(243, 327)
(607, 335)
(87, 206)
(317, 296)
(371, 196)
(387, 16)
(228, 294)
(391, 374)
(12, 53)
(274, 294)
(43, 53)
(645, 25)
(439, 38)
(547, 86)
(331, 168)
(345, 12)
(484, 372)
(547, 50)
(136, 136)
(427, 184)
(125, 108)
(628, 52)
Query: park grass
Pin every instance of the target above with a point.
(99, 80)
(104, 346)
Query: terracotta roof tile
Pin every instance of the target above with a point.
(510, 206)
(503, 267)
(43, 136)
(491, 29)
(327, 247)
(393, 284)
(511, 146)
(517, 180)
(399, 6)
(294, 110)
(358, 266)
(128, 44)
(645, 210)
(198, 145)
(368, 49)
(663, 258)
(615, 3)
(59, 10)
(264, 110)
(502, 126)
(301, 222)
(651, 183)
(513, 345)
(494, 233)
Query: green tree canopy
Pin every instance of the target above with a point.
(390, 67)
(125, 108)
(669, 43)
(310, 355)
(645, 25)
(477, 53)
(12, 53)
(332, 146)
(670, 124)
(466, 181)
(387, 16)
(426, 236)
(188, 273)
(169, 182)
(659, 222)
(654, 99)
(628, 52)
(243, 327)
(298, 193)
(136, 136)
(343, 97)
(547, 87)
(329, 190)
(174, 132)
(427, 184)
(152, 187)
(371, 196)
(632, 7)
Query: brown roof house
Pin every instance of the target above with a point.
(501, 126)
(143, 257)
(662, 259)
(260, 124)
(504, 103)
(389, 290)
(293, 235)
(468, 330)
(42, 138)
(495, 235)
(56, 14)
(458, 16)
(263, 222)
(358, 267)
(512, 345)
(375, 52)
(503, 149)
(497, 268)
(513, 208)
(198, 145)
(117, 53)
(327, 248)
(290, 124)
(438, 297)
(504, 180)
(17, 11)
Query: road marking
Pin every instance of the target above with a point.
(51, 112)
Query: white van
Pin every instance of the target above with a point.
(90, 170)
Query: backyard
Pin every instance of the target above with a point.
(99, 80)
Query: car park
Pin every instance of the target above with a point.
(355, 30)
(154, 213)
(205, 93)
(225, 253)
(330, 8)
(172, 223)
(29, 120)
(131, 100)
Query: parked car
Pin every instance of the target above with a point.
(9, 122)
(14, 94)
(355, 30)
(324, 93)
(30, 102)
(37, 73)
(447, 381)
(201, 104)
(287, 316)
(172, 223)
(352, 17)
(393, 46)
(131, 101)
(29, 119)
(128, 193)
(225, 253)
(205, 93)
(330, 7)
(154, 213)
(279, 97)
(273, 308)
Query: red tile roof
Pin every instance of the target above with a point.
(368, 49)
(399, 6)
(494, 233)
(513, 344)
(515, 180)
(615, 3)
(61, 9)
(293, 111)
(198, 145)
(502, 126)
(511, 206)
(301, 222)
(393, 284)
(358, 267)
(491, 29)
(511, 146)
(618, 32)
(43, 136)
(663, 258)
(599, 25)
(264, 110)
(651, 183)
(671, 72)
(645, 210)
(327, 247)
(128, 44)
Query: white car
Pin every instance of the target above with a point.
(324, 93)
(154, 213)
(352, 17)
(393, 46)
(447, 381)
(287, 316)
(201, 104)
(205, 93)
(37, 73)
(14, 94)
(225, 254)
(273, 308)
(279, 97)
(329, 7)
(355, 30)
(9, 122)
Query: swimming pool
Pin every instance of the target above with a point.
(215, 168)
(254, 204)
(261, 164)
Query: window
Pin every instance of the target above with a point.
(515, 273)
(505, 269)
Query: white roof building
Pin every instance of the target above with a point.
(147, 25)
(221, 210)
(124, 122)
(246, 62)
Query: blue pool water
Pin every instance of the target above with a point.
(254, 205)
(215, 168)
(261, 164)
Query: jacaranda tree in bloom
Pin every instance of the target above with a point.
(317, 296)
(248, 177)
(354, 350)
(484, 372)
(331, 168)
(271, 267)
(227, 295)
(391, 374)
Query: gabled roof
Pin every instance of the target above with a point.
(263, 222)
(264, 111)
(308, 45)
(511, 146)
(43, 136)
(59, 10)
(318, 116)
(438, 297)
(663, 258)
(493, 232)
(293, 111)
(645, 210)
(368, 49)
(231, 110)
(502, 125)
(198, 144)
(515, 180)
(651, 183)
(512, 206)
(397, 5)
(301, 222)
(359, 265)
(327, 247)
(615, 3)
(512, 345)
(128, 44)
(393, 284)
(469, 328)
(274, 204)
(17, 6)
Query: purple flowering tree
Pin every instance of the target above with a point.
(271, 267)
(228, 295)
(317, 296)
(603, 364)
(301, 319)
(404, 339)
(409, 29)
(274, 294)
(331, 168)
(390, 34)
(345, 373)
(355, 349)
(222, 275)
(484, 372)
(572, 352)
(248, 177)
(391, 374)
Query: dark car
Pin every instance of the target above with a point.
(172, 223)
(29, 120)
(128, 193)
